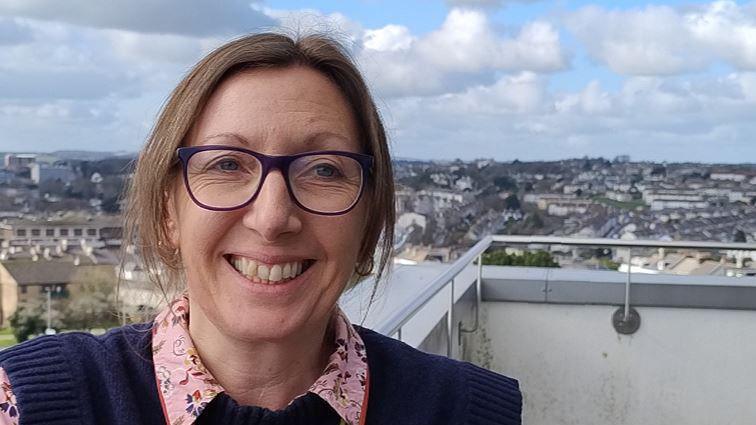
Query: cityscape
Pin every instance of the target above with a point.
(60, 224)
(575, 197)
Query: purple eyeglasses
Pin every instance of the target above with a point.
(225, 178)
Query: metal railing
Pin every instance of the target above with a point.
(394, 324)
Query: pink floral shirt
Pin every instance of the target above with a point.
(186, 387)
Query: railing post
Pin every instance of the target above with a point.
(450, 321)
(478, 298)
(627, 283)
(627, 320)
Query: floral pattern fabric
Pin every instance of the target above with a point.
(8, 408)
(185, 387)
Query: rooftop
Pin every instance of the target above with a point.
(28, 272)
(589, 347)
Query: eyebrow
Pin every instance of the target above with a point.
(317, 140)
(322, 139)
(233, 136)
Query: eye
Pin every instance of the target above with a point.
(227, 164)
(326, 170)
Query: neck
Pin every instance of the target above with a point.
(268, 374)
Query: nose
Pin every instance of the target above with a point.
(273, 214)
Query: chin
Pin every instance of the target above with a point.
(260, 323)
(249, 311)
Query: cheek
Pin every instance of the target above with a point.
(200, 234)
(346, 236)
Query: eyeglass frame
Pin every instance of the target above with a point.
(274, 162)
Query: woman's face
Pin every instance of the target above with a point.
(275, 112)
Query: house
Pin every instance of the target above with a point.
(24, 280)
(18, 161)
(71, 228)
(41, 173)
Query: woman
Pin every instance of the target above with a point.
(262, 193)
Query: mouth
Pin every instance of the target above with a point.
(267, 274)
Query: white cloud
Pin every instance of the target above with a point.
(466, 42)
(701, 119)
(200, 17)
(389, 38)
(519, 94)
(651, 41)
(486, 4)
(463, 52)
(13, 32)
(591, 100)
(469, 88)
(728, 31)
(661, 40)
(137, 47)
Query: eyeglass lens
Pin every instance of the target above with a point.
(319, 182)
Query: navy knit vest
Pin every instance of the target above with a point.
(77, 378)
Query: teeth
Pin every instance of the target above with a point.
(275, 273)
(251, 268)
(264, 273)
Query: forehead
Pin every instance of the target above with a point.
(278, 111)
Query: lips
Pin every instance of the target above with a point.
(266, 273)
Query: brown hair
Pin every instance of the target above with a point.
(156, 167)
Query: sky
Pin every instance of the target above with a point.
(530, 80)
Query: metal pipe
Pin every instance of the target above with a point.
(450, 321)
(627, 284)
(478, 297)
(406, 313)
(49, 309)
(620, 243)
(398, 319)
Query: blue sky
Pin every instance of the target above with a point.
(532, 80)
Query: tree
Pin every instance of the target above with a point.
(739, 236)
(512, 203)
(94, 305)
(505, 183)
(500, 257)
(534, 221)
(26, 321)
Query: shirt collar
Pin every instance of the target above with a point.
(185, 386)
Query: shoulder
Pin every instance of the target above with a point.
(82, 343)
(74, 352)
(60, 376)
(459, 389)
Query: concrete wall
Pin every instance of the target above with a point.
(683, 366)
(8, 296)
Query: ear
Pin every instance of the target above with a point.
(171, 218)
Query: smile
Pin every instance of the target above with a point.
(268, 274)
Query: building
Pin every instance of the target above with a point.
(6, 177)
(26, 280)
(725, 175)
(406, 220)
(660, 199)
(562, 209)
(542, 200)
(41, 173)
(18, 161)
(94, 230)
